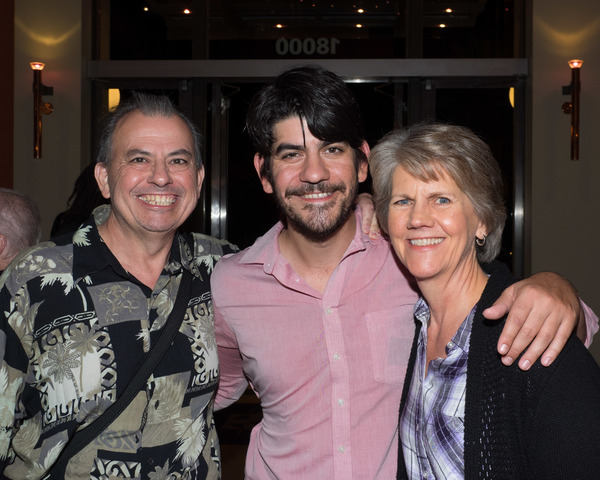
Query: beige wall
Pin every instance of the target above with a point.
(566, 195)
(49, 32)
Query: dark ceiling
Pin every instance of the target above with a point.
(230, 19)
(184, 29)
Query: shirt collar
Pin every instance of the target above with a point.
(462, 335)
(266, 251)
(91, 254)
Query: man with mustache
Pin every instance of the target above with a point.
(317, 316)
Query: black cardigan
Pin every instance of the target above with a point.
(539, 424)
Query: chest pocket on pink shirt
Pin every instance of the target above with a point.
(391, 334)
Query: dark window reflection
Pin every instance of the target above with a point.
(306, 29)
(479, 29)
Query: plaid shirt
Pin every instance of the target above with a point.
(432, 423)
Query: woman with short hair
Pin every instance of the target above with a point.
(438, 194)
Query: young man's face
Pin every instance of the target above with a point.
(314, 182)
(152, 178)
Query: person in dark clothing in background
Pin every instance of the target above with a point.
(85, 197)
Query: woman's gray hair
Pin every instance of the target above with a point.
(150, 106)
(428, 150)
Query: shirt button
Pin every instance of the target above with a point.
(336, 356)
(328, 311)
(340, 402)
(341, 449)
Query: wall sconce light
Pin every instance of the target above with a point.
(39, 106)
(572, 107)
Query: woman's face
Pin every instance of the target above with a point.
(432, 226)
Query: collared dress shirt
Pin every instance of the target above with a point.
(433, 421)
(74, 327)
(328, 368)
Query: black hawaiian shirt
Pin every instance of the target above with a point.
(74, 327)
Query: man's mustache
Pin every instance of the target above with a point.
(323, 187)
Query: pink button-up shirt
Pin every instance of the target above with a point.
(328, 369)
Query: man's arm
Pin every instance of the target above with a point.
(543, 310)
(232, 381)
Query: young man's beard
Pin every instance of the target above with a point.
(318, 225)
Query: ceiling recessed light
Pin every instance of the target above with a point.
(442, 25)
(187, 11)
(359, 25)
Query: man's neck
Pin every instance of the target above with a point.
(143, 258)
(315, 260)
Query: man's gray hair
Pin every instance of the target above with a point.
(20, 222)
(150, 106)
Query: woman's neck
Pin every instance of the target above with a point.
(450, 301)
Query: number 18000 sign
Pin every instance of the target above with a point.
(306, 46)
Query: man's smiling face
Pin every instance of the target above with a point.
(152, 179)
(314, 181)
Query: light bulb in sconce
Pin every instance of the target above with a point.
(575, 63)
(572, 107)
(39, 106)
